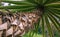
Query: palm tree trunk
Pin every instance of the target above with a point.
(10, 32)
(14, 27)
(0, 19)
(1, 33)
(1, 24)
(4, 33)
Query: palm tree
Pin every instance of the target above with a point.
(47, 10)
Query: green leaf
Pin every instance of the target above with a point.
(53, 5)
(12, 0)
(53, 16)
(37, 26)
(44, 1)
(23, 10)
(43, 28)
(35, 1)
(48, 26)
(56, 13)
(39, 1)
(51, 1)
(15, 7)
(54, 21)
(19, 2)
(31, 1)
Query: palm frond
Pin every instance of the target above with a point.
(43, 28)
(55, 18)
(11, 0)
(54, 21)
(55, 11)
(53, 5)
(18, 2)
(51, 1)
(22, 10)
(31, 1)
(14, 7)
(49, 26)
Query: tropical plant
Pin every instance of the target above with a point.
(47, 10)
